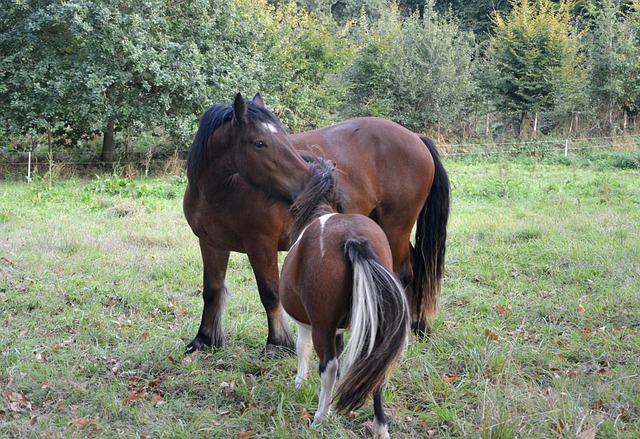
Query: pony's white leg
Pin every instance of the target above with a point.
(380, 430)
(327, 380)
(303, 349)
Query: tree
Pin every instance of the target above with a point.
(613, 51)
(536, 58)
(415, 70)
(92, 66)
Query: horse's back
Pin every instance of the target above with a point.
(379, 162)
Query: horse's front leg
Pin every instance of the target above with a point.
(214, 293)
(264, 262)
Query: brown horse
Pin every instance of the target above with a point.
(338, 275)
(242, 177)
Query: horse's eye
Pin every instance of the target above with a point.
(259, 145)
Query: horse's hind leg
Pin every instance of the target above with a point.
(211, 332)
(324, 345)
(328, 374)
(303, 349)
(380, 424)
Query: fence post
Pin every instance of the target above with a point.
(566, 146)
(29, 169)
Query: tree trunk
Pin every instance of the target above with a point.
(107, 142)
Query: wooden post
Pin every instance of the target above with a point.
(29, 169)
(566, 147)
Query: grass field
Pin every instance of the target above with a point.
(537, 334)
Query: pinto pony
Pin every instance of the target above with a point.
(337, 276)
(244, 170)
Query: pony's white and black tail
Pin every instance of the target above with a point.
(379, 326)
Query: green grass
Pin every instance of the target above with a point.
(537, 334)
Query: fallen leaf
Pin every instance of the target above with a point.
(449, 377)
(490, 335)
(81, 423)
(306, 415)
(504, 310)
(182, 312)
(59, 404)
(41, 357)
(587, 434)
(572, 374)
(133, 396)
(44, 384)
(580, 309)
(33, 420)
(173, 360)
(560, 426)
(245, 434)
(17, 401)
(156, 397)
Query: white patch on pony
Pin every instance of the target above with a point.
(270, 127)
(380, 431)
(303, 349)
(323, 220)
(327, 380)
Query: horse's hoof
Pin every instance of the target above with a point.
(421, 328)
(198, 344)
(276, 351)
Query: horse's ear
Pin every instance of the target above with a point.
(257, 99)
(239, 110)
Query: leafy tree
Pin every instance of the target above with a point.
(613, 54)
(536, 59)
(433, 71)
(416, 70)
(89, 65)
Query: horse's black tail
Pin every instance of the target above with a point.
(379, 326)
(431, 237)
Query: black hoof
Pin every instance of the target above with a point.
(198, 344)
(421, 328)
(277, 351)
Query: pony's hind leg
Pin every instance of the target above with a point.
(328, 374)
(380, 424)
(303, 349)
(211, 332)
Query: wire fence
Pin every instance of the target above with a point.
(12, 162)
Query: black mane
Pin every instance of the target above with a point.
(212, 119)
(321, 195)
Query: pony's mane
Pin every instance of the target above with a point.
(321, 195)
(212, 119)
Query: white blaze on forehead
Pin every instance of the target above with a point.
(270, 127)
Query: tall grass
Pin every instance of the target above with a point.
(537, 334)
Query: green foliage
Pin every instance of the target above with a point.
(614, 48)
(535, 59)
(416, 70)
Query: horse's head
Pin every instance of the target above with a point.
(248, 140)
(262, 151)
